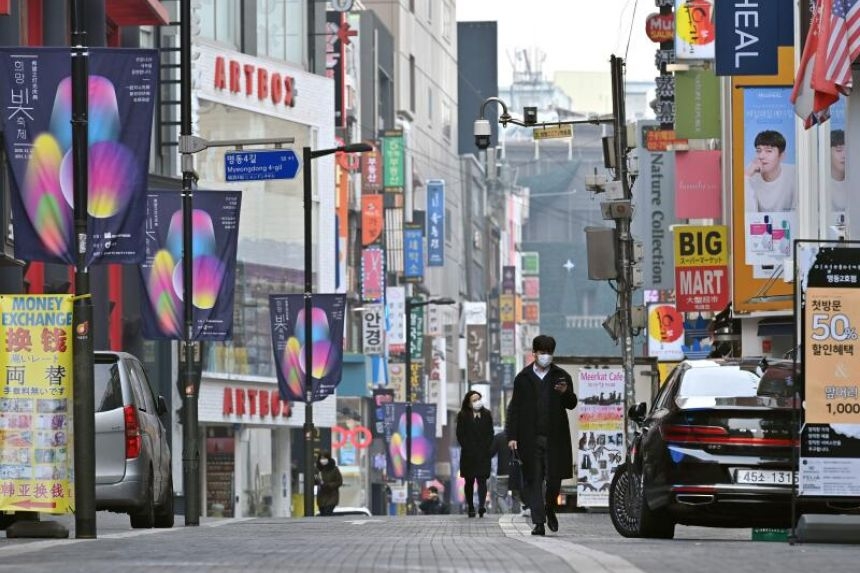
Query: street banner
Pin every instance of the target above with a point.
(435, 223)
(829, 275)
(371, 172)
(748, 36)
(437, 381)
(36, 451)
(665, 332)
(373, 329)
(694, 29)
(36, 99)
(372, 219)
(698, 185)
(393, 163)
(701, 268)
(423, 441)
(697, 105)
(395, 304)
(215, 236)
(287, 313)
(381, 397)
(413, 252)
(372, 274)
(601, 433)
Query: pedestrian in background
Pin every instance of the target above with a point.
(537, 426)
(328, 482)
(433, 503)
(501, 502)
(475, 436)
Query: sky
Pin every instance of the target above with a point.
(574, 35)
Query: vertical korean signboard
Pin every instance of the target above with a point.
(413, 252)
(701, 268)
(435, 223)
(830, 439)
(393, 170)
(36, 403)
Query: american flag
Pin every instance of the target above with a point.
(843, 43)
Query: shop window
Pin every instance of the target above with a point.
(279, 29)
(220, 20)
(412, 83)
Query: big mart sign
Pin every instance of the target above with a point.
(701, 268)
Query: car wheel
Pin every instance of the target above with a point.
(164, 512)
(144, 517)
(629, 511)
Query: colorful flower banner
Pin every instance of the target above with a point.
(36, 450)
(287, 313)
(423, 440)
(215, 236)
(36, 102)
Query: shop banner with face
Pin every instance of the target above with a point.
(214, 235)
(36, 101)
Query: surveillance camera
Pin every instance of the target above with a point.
(482, 132)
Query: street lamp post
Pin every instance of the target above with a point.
(410, 304)
(309, 155)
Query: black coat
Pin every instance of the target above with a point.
(475, 437)
(329, 481)
(501, 452)
(522, 420)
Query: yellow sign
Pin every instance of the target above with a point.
(36, 403)
(553, 132)
(700, 246)
(507, 309)
(832, 355)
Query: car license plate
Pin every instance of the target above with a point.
(764, 477)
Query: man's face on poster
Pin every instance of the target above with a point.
(769, 159)
(837, 162)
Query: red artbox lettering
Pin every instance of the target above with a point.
(240, 402)
(264, 403)
(254, 80)
(227, 404)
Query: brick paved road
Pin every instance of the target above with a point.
(586, 543)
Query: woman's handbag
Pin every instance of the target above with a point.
(515, 472)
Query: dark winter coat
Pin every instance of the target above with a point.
(329, 482)
(522, 420)
(500, 451)
(475, 437)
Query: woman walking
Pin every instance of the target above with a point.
(328, 482)
(475, 436)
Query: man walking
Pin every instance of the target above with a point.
(537, 426)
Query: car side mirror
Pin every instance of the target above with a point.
(637, 412)
(161, 406)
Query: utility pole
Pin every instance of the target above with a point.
(622, 213)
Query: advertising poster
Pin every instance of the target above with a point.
(36, 99)
(372, 219)
(423, 440)
(36, 451)
(287, 312)
(837, 203)
(373, 329)
(665, 332)
(761, 103)
(435, 223)
(372, 274)
(830, 438)
(694, 29)
(215, 235)
(600, 448)
(698, 181)
(702, 268)
(770, 175)
(413, 252)
(697, 105)
(749, 34)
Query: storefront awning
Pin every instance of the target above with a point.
(776, 327)
(137, 12)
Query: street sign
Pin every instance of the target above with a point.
(553, 131)
(260, 164)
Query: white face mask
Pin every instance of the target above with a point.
(544, 360)
(477, 405)
(323, 461)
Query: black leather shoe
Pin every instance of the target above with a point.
(551, 520)
(471, 513)
(539, 529)
(481, 512)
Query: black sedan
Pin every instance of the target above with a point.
(716, 449)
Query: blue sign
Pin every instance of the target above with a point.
(260, 164)
(748, 35)
(435, 223)
(413, 252)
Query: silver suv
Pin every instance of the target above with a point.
(133, 468)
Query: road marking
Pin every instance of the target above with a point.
(580, 558)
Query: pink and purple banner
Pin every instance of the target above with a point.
(36, 99)
(287, 312)
(698, 187)
(214, 242)
(423, 440)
